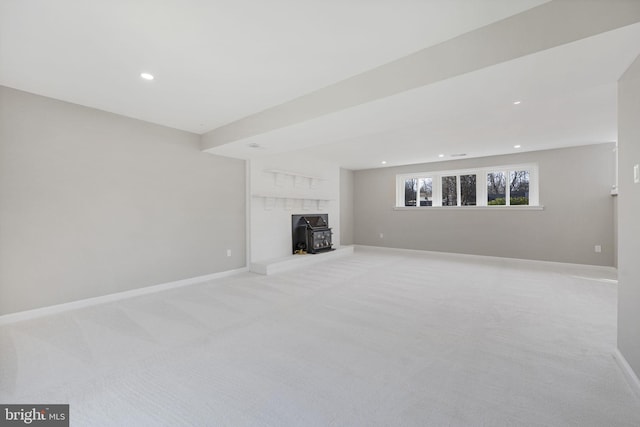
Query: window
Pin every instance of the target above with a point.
(449, 191)
(468, 190)
(517, 193)
(498, 186)
(426, 192)
(410, 191)
(519, 188)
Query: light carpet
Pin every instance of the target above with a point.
(380, 338)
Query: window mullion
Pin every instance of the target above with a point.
(481, 190)
(507, 188)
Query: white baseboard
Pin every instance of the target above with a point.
(88, 302)
(595, 268)
(629, 374)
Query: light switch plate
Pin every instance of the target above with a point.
(636, 174)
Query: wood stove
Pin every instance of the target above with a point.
(311, 233)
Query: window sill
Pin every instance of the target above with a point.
(469, 208)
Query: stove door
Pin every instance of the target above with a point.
(321, 240)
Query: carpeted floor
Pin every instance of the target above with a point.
(379, 338)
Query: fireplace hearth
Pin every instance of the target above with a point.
(311, 233)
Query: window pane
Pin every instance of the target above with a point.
(410, 192)
(519, 188)
(468, 190)
(449, 191)
(426, 192)
(496, 188)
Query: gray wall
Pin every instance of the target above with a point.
(629, 217)
(92, 203)
(575, 186)
(346, 207)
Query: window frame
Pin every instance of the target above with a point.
(481, 186)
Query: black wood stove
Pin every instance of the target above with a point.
(311, 233)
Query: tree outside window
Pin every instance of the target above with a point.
(519, 188)
(496, 188)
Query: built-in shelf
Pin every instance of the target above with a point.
(307, 201)
(298, 178)
(271, 196)
(281, 172)
(300, 183)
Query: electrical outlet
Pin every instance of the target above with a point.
(636, 174)
(598, 248)
(381, 236)
(228, 252)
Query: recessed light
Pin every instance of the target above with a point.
(516, 102)
(146, 76)
(441, 155)
(384, 162)
(517, 146)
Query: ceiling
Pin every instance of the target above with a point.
(567, 95)
(217, 62)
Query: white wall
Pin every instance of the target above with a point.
(92, 203)
(270, 227)
(629, 217)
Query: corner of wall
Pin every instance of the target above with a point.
(347, 206)
(628, 214)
